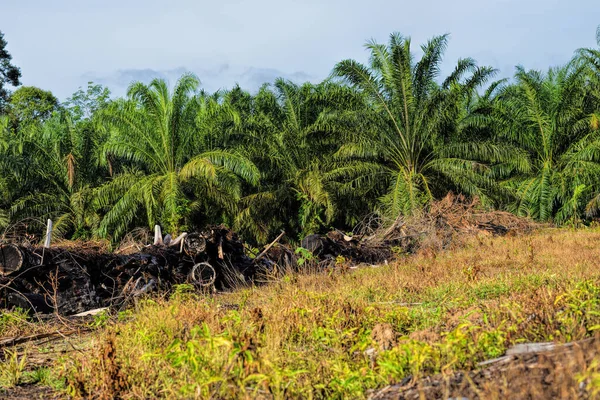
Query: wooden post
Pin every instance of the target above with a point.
(48, 234)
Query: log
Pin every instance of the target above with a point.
(178, 240)
(16, 340)
(194, 244)
(521, 349)
(31, 301)
(203, 274)
(72, 281)
(11, 259)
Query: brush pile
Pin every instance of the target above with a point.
(445, 223)
(73, 279)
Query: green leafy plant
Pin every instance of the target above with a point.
(12, 368)
(305, 256)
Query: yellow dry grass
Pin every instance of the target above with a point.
(345, 332)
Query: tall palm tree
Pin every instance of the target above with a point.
(171, 159)
(544, 114)
(408, 139)
(57, 178)
(5, 184)
(293, 150)
(590, 60)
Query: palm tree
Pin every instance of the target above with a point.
(408, 138)
(544, 114)
(57, 177)
(5, 184)
(171, 160)
(592, 56)
(589, 59)
(293, 150)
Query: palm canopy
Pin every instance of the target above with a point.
(592, 56)
(544, 114)
(407, 137)
(168, 146)
(279, 124)
(284, 138)
(53, 165)
(589, 59)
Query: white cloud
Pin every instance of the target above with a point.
(61, 40)
(221, 76)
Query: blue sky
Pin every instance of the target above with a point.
(61, 44)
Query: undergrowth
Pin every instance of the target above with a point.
(343, 333)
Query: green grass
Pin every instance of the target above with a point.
(314, 336)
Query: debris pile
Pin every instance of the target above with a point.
(445, 223)
(356, 248)
(534, 371)
(76, 278)
(70, 281)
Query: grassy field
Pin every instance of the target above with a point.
(346, 333)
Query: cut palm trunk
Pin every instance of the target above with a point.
(74, 281)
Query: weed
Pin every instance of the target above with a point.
(13, 321)
(12, 368)
(313, 335)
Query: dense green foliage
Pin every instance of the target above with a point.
(385, 138)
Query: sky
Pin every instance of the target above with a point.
(60, 45)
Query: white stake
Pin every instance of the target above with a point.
(48, 234)
(158, 239)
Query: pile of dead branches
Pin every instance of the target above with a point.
(72, 278)
(445, 223)
(448, 222)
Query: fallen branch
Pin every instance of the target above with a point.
(261, 255)
(16, 340)
(529, 348)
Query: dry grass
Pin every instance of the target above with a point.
(342, 333)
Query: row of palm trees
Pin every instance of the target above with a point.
(383, 139)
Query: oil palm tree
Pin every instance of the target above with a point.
(284, 137)
(57, 177)
(171, 159)
(544, 114)
(592, 56)
(589, 59)
(407, 139)
(5, 184)
(291, 195)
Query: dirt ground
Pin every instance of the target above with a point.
(29, 392)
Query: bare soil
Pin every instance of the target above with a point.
(29, 392)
